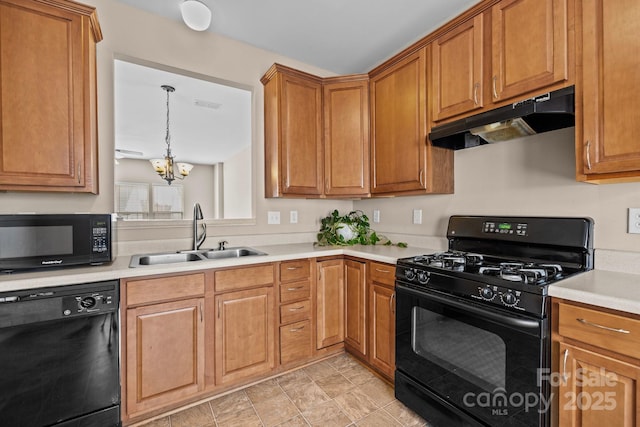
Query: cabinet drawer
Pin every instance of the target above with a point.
(383, 273)
(295, 342)
(295, 312)
(243, 277)
(294, 270)
(145, 291)
(294, 291)
(609, 331)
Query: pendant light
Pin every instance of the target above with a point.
(166, 167)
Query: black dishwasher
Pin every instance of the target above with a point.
(59, 360)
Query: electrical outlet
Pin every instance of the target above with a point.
(293, 217)
(376, 215)
(417, 216)
(273, 217)
(634, 221)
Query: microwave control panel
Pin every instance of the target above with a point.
(99, 237)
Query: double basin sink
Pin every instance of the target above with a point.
(190, 256)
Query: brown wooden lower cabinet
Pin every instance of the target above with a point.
(597, 390)
(165, 353)
(295, 342)
(382, 329)
(244, 334)
(355, 337)
(330, 303)
(598, 365)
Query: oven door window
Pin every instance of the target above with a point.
(475, 354)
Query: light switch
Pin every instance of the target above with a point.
(273, 217)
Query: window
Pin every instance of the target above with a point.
(136, 200)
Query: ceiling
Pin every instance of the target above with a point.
(341, 36)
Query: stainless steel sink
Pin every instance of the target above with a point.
(189, 256)
(231, 253)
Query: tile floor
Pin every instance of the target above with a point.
(335, 392)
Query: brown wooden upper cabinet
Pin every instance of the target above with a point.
(346, 135)
(48, 110)
(514, 49)
(401, 159)
(316, 134)
(293, 133)
(607, 125)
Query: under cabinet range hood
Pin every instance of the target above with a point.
(543, 113)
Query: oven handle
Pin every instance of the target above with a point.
(498, 317)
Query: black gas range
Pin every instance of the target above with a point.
(508, 262)
(472, 323)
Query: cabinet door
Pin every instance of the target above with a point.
(456, 76)
(356, 306)
(346, 138)
(398, 114)
(330, 303)
(165, 354)
(597, 390)
(530, 46)
(293, 133)
(607, 143)
(245, 335)
(47, 97)
(382, 334)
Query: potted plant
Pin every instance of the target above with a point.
(350, 229)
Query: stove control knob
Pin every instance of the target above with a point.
(410, 274)
(508, 298)
(423, 277)
(487, 293)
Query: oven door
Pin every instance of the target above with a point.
(459, 363)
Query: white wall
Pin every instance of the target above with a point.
(237, 178)
(528, 176)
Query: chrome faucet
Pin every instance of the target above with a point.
(197, 215)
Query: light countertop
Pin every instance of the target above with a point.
(610, 289)
(119, 268)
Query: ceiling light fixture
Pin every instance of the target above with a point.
(196, 15)
(165, 167)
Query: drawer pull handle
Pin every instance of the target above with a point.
(296, 329)
(391, 304)
(382, 271)
(588, 154)
(564, 366)
(295, 289)
(296, 308)
(294, 268)
(606, 328)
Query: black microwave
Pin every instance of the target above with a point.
(54, 240)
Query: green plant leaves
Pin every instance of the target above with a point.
(354, 226)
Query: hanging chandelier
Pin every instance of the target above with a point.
(166, 167)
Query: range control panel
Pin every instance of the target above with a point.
(517, 228)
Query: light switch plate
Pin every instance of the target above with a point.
(634, 221)
(293, 217)
(273, 217)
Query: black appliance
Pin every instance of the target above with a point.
(59, 351)
(542, 113)
(54, 240)
(472, 325)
